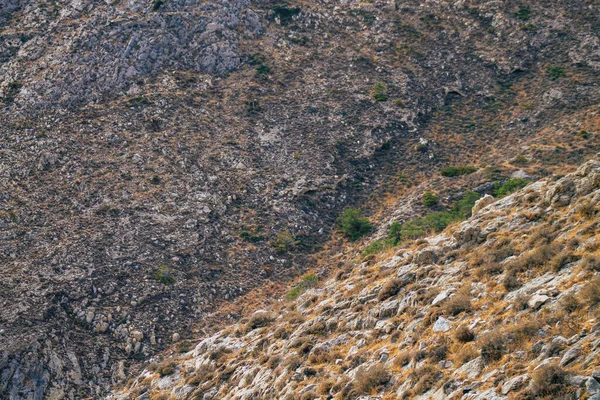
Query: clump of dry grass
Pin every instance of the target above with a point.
(466, 354)
(511, 282)
(367, 380)
(549, 382)
(493, 346)
(562, 259)
(166, 368)
(590, 293)
(590, 263)
(425, 378)
(457, 304)
(390, 288)
(569, 303)
(258, 320)
(587, 209)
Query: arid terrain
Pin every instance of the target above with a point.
(167, 168)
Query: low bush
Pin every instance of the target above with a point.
(166, 368)
(458, 170)
(284, 242)
(464, 335)
(511, 282)
(353, 223)
(523, 13)
(561, 260)
(590, 263)
(435, 222)
(508, 187)
(377, 246)
(587, 210)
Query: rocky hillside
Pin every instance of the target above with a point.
(159, 159)
(505, 305)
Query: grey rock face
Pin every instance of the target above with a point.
(117, 44)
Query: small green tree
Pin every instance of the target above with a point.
(380, 92)
(353, 223)
(430, 199)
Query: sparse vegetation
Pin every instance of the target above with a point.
(308, 281)
(458, 170)
(438, 221)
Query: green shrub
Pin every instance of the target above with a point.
(353, 224)
(555, 72)
(250, 237)
(380, 92)
(285, 13)
(395, 232)
(523, 13)
(263, 69)
(509, 186)
(430, 199)
(308, 281)
(157, 4)
(458, 170)
(284, 242)
(163, 275)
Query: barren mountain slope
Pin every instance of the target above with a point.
(503, 305)
(153, 153)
